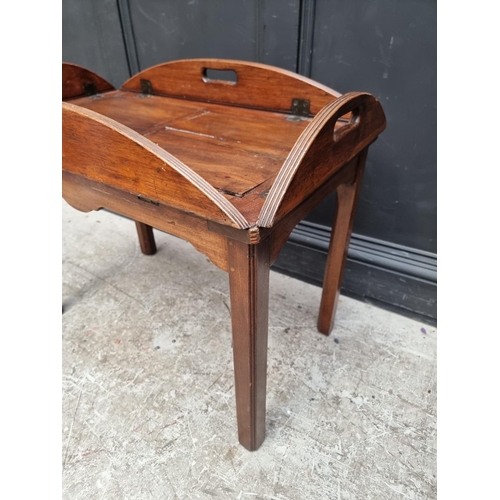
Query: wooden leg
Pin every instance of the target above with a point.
(146, 238)
(347, 198)
(249, 291)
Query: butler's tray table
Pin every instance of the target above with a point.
(230, 165)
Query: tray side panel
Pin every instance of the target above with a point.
(321, 150)
(257, 85)
(103, 150)
(78, 81)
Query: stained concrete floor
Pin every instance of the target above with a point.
(148, 395)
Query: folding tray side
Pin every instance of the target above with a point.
(78, 82)
(254, 85)
(320, 152)
(103, 150)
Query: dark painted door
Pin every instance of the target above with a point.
(385, 47)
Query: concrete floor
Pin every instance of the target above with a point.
(148, 398)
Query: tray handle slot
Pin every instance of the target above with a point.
(224, 76)
(235, 83)
(320, 151)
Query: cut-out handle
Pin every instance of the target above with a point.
(228, 76)
(301, 173)
(352, 122)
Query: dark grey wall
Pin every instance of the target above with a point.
(247, 30)
(92, 37)
(386, 47)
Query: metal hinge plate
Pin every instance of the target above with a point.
(146, 87)
(148, 200)
(89, 88)
(300, 107)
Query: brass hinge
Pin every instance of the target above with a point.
(148, 200)
(300, 107)
(146, 87)
(89, 88)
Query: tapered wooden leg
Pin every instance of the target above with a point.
(249, 291)
(347, 198)
(146, 238)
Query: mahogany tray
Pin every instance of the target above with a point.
(231, 167)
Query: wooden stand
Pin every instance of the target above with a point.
(231, 167)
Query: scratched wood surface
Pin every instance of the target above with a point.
(238, 151)
(148, 386)
(233, 149)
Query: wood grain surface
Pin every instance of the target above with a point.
(321, 151)
(86, 195)
(233, 149)
(347, 200)
(146, 238)
(75, 78)
(102, 149)
(258, 85)
(249, 291)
